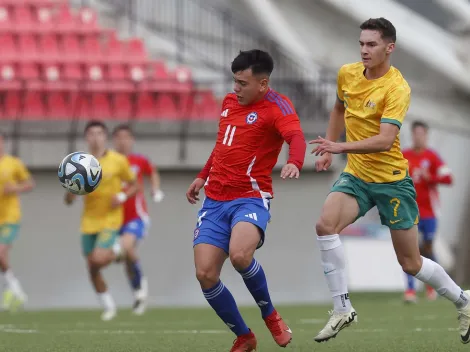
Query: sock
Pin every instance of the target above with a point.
(13, 284)
(334, 268)
(255, 281)
(107, 301)
(411, 282)
(435, 276)
(222, 301)
(137, 276)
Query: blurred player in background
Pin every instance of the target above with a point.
(373, 99)
(427, 171)
(103, 212)
(14, 180)
(254, 123)
(136, 218)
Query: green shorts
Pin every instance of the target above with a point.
(396, 201)
(105, 239)
(8, 233)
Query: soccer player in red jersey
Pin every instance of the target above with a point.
(427, 171)
(254, 123)
(136, 218)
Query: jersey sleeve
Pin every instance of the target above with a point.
(441, 173)
(21, 173)
(397, 102)
(147, 167)
(126, 172)
(339, 83)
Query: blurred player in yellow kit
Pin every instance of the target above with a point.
(14, 179)
(372, 102)
(103, 212)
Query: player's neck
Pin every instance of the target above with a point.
(419, 149)
(98, 153)
(377, 71)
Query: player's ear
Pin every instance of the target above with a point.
(264, 82)
(390, 48)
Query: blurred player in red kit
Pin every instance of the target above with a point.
(254, 123)
(427, 171)
(136, 217)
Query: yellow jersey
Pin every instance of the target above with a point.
(369, 103)
(12, 171)
(98, 215)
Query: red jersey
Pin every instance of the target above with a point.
(248, 144)
(136, 207)
(427, 171)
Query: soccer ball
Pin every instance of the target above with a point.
(80, 173)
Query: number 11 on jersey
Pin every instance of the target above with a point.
(229, 133)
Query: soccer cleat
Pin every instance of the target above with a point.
(464, 322)
(431, 293)
(108, 314)
(140, 303)
(245, 343)
(281, 333)
(410, 296)
(8, 298)
(13, 302)
(336, 323)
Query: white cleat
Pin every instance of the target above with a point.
(141, 295)
(108, 315)
(336, 323)
(464, 322)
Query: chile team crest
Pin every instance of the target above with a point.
(251, 118)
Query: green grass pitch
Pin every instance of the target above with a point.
(385, 325)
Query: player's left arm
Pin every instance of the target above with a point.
(441, 173)
(128, 176)
(291, 131)
(24, 180)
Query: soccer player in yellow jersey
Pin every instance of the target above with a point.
(103, 212)
(373, 99)
(14, 179)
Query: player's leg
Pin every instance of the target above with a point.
(98, 249)
(399, 211)
(249, 222)
(13, 295)
(211, 245)
(427, 248)
(410, 292)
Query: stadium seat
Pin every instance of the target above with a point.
(80, 106)
(122, 106)
(65, 21)
(114, 49)
(24, 19)
(145, 106)
(57, 105)
(72, 72)
(92, 46)
(70, 48)
(12, 105)
(33, 106)
(45, 19)
(87, 20)
(9, 49)
(184, 78)
(101, 107)
(207, 106)
(49, 48)
(27, 46)
(166, 107)
(28, 70)
(135, 51)
(6, 23)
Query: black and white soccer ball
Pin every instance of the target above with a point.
(80, 173)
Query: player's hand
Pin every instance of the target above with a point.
(193, 190)
(118, 199)
(324, 162)
(10, 188)
(158, 196)
(325, 146)
(290, 170)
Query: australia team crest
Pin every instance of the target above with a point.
(251, 118)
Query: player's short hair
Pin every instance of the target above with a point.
(417, 124)
(123, 127)
(382, 25)
(95, 123)
(259, 61)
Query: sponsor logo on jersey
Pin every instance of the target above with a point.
(251, 118)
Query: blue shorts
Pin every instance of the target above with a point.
(427, 227)
(137, 227)
(217, 218)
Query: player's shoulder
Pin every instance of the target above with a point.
(433, 153)
(351, 69)
(115, 156)
(137, 157)
(407, 152)
(13, 160)
(229, 99)
(279, 103)
(397, 82)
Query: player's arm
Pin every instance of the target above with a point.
(441, 174)
(69, 198)
(336, 122)
(128, 176)
(24, 182)
(380, 143)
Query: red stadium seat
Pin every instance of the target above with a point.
(80, 106)
(114, 49)
(135, 51)
(8, 77)
(208, 106)
(166, 106)
(12, 105)
(72, 72)
(9, 49)
(100, 106)
(145, 106)
(70, 48)
(92, 47)
(57, 105)
(122, 106)
(49, 48)
(28, 71)
(65, 21)
(27, 47)
(87, 20)
(184, 78)
(33, 106)
(24, 19)
(6, 24)
(188, 106)
(116, 71)
(45, 19)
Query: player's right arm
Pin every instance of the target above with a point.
(69, 198)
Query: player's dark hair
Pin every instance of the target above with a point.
(417, 124)
(259, 61)
(384, 26)
(123, 127)
(95, 123)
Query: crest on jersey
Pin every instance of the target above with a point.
(135, 169)
(425, 163)
(251, 118)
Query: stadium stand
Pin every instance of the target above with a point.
(58, 63)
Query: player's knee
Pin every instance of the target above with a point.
(96, 261)
(324, 227)
(240, 259)
(207, 277)
(411, 266)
